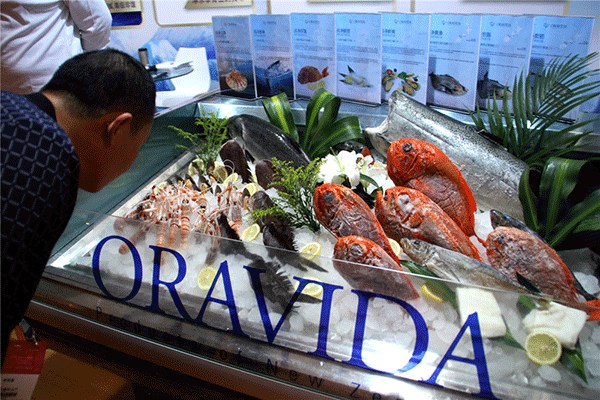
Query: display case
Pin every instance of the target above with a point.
(268, 323)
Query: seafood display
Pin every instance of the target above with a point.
(490, 171)
(447, 84)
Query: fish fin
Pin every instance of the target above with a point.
(325, 72)
(526, 283)
(350, 70)
(594, 315)
(344, 75)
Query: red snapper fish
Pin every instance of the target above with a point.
(344, 213)
(516, 252)
(357, 249)
(424, 167)
(407, 213)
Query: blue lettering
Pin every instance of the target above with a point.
(422, 335)
(137, 265)
(478, 361)
(229, 301)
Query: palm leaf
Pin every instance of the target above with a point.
(280, 114)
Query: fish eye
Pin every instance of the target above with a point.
(407, 147)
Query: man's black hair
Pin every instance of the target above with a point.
(101, 81)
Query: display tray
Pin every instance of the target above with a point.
(463, 338)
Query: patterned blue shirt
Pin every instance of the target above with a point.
(40, 178)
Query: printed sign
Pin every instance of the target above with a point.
(358, 56)
(405, 55)
(313, 49)
(217, 3)
(272, 49)
(453, 60)
(504, 55)
(233, 48)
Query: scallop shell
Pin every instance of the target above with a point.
(236, 80)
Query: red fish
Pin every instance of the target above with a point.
(405, 212)
(344, 213)
(422, 166)
(358, 249)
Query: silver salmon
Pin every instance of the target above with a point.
(491, 172)
(457, 267)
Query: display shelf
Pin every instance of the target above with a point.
(349, 343)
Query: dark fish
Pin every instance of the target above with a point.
(490, 88)
(264, 140)
(234, 157)
(264, 172)
(447, 84)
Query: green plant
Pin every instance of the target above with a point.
(558, 203)
(208, 141)
(295, 190)
(538, 103)
(323, 130)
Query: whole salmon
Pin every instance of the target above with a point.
(405, 212)
(491, 172)
(353, 249)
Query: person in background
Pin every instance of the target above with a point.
(39, 35)
(84, 129)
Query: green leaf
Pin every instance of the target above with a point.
(559, 178)
(347, 128)
(528, 201)
(280, 114)
(577, 214)
(572, 360)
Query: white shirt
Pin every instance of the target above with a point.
(37, 36)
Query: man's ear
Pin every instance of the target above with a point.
(119, 125)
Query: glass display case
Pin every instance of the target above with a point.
(268, 322)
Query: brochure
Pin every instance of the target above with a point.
(358, 56)
(272, 48)
(504, 55)
(234, 55)
(313, 51)
(405, 55)
(453, 60)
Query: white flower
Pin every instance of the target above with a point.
(378, 172)
(338, 168)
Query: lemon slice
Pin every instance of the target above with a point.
(250, 233)
(542, 347)
(312, 289)
(251, 188)
(206, 277)
(311, 250)
(230, 180)
(395, 246)
(430, 294)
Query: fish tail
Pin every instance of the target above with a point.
(325, 72)
(593, 314)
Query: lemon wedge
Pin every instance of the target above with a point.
(250, 233)
(543, 348)
(312, 289)
(311, 250)
(251, 188)
(206, 277)
(230, 180)
(430, 294)
(395, 246)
